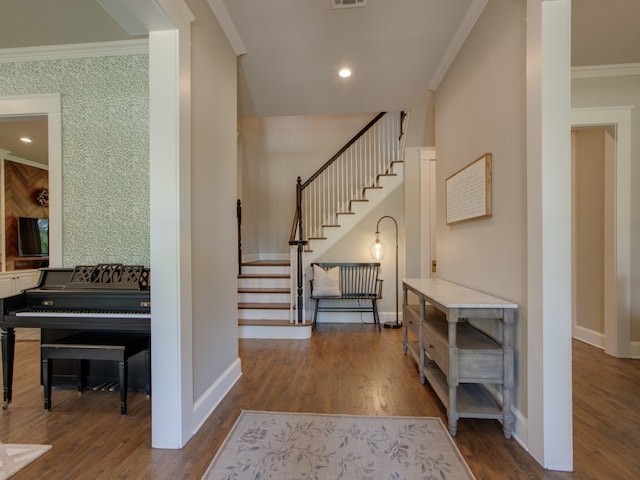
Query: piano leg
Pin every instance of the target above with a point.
(8, 339)
(47, 369)
(123, 368)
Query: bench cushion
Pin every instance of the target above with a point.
(326, 283)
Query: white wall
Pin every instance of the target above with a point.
(589, 242)
(194, 313)
(480, 108)
(276, 150)
(213, 200)
(354, 247)
(610, 92)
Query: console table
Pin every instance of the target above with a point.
(462, 341)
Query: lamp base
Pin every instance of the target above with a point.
(391, 325)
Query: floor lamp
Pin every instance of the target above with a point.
(377, 252)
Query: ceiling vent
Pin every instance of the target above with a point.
(348, 3)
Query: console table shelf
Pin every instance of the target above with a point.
(411, 320)
(458, 359)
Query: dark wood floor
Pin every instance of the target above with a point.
(349, 369)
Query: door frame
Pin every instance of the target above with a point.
(427, 210)
(49, 105)
(617, 268)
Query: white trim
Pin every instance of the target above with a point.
(177, 12)
(596, 71)
(137, 17)
(464, 29)
(228, 26)
(548, 205)
(167, 421)
(520, 428)
(427, 210)
(593, 116)
(207, 403)
(635, 350)
(589, 336)
(58, 52)
(170, 152)
(617, 327)
(50, 105)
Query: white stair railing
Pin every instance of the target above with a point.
(345, 177)
(341, 180)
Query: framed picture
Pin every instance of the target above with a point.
(468, 192)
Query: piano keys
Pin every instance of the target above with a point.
(105, 297)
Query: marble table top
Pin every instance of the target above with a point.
(452, 295)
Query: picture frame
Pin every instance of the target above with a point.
(468, 191)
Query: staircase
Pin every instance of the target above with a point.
(358, 209)
(264, 299)
(264, 287)
(271, 304)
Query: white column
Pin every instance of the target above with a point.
(548, 77)
(172, 374)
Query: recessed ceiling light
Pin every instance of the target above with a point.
(25, 139)
(344, 73)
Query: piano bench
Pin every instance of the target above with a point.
(96, 346)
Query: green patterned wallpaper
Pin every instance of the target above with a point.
(105, 152)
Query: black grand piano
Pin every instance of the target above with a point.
(104, 297)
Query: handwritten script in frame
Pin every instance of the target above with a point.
(468, 192)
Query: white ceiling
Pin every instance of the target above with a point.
(294, 48)
(35, 128)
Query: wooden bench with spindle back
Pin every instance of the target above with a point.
(351, 281)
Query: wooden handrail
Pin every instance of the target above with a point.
(344, 149)
(297, 214)
(297, 226)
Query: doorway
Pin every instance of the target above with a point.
(601, 234)
(45, 106)
(24, 197)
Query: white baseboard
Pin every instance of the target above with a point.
(206, 404)
(589, 336)
(520, 428)
(596, 339)
(354, 317)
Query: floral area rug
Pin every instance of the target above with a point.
(14, 457)
(272, 445)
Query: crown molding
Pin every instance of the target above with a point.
(464, 29)
(228, 27)
(596, 71)
(80, 50)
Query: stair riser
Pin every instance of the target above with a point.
(291, 333)
(264, 282)
(360, 209)
(257, 314)
(263, 298)
(265, 270)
